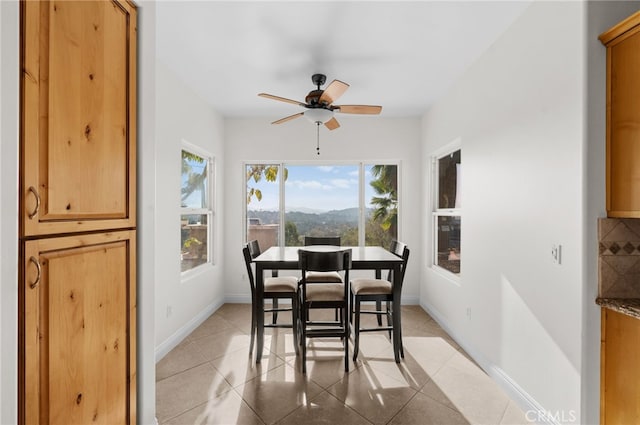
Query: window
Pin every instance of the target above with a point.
(447, 211)
(196, 208)
(357, 202)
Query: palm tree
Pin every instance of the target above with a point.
(196, 180)
(385, 186)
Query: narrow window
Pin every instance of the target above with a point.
(196, 209)
(447, 215)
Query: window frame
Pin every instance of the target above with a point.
(448, 149)
(209, 211)
(360, 195)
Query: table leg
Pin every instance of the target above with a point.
(397, 342)
(259, 312)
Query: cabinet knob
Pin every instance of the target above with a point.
(37, 208)
(35, 261)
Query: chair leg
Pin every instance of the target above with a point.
(343, 313)
(356, 330)
(253, 325)
(294, 322)
(389, 316)
(379, 316)
(303, 342)
(274, 304)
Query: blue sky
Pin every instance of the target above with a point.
(315, 188)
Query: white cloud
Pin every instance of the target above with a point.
(344, 183)
(308, 184)
(326, 168)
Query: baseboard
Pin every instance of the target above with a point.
(528, 404)
(178, 336)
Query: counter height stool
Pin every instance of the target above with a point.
(379, 290)
(275, 288)
(326, 295)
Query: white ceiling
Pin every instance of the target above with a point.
(401, 55)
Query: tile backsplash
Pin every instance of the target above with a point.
(619, 257)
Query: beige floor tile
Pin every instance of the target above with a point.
(422, 410)
(239, 367)
(227, 409)
(186, 390)
(213, 325)
(463, 386)
(372, 394)
(185, 355)
(277, 393)
(325, 361)
(220, 344)
(514, 415)
(324, 409)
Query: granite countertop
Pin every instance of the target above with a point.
(628, 306)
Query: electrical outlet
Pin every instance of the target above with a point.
(556, 253)
(469, 313)
(169, 311)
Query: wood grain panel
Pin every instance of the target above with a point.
(82, 311)
(79, 116)
(621, 358)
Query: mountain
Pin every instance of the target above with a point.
(324, 223)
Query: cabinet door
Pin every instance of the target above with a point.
(623, 118)
(78, 116)
(79, 319)
(620, 384)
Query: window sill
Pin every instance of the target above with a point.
(193, 273)
(452, 277)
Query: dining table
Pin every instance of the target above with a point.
(374, 258)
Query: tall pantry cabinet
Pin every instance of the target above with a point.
(77, 281)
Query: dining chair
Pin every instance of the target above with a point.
(324, 296)
(275, 288)
(378, 290)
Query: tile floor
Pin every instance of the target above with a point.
(211, 379)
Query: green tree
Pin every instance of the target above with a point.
(256, 173)
(385, 204)
(195, 180)
(291, 236)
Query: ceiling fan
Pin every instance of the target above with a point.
(319, 103)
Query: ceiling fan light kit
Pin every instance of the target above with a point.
(319, 105)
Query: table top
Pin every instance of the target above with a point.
(366, 256)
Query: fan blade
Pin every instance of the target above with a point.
(333, 91)
(332, 124)
(289, 118)
(358, 109)
(281, 99)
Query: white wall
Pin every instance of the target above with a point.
(601, 16)
(358, 138)
(182, 115)
(9, 84)
(146, 370)
(519, 113)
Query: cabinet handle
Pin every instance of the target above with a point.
(35, 261)
(35, 193)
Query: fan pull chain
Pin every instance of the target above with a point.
(318, 138)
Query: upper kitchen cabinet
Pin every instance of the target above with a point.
(78, 111)
(623, 117)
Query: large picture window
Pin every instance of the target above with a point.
(196, 208)
(356, 201)
(447, 214)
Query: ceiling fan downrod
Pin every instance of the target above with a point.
(318, 138)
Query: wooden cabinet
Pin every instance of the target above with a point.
(80, 304)
(77, 286)
(620, 369)
(78, 116)
(623, 117)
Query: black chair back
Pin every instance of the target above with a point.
(322, 240)
(249, 255)
(401, 250)
(327, 261)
